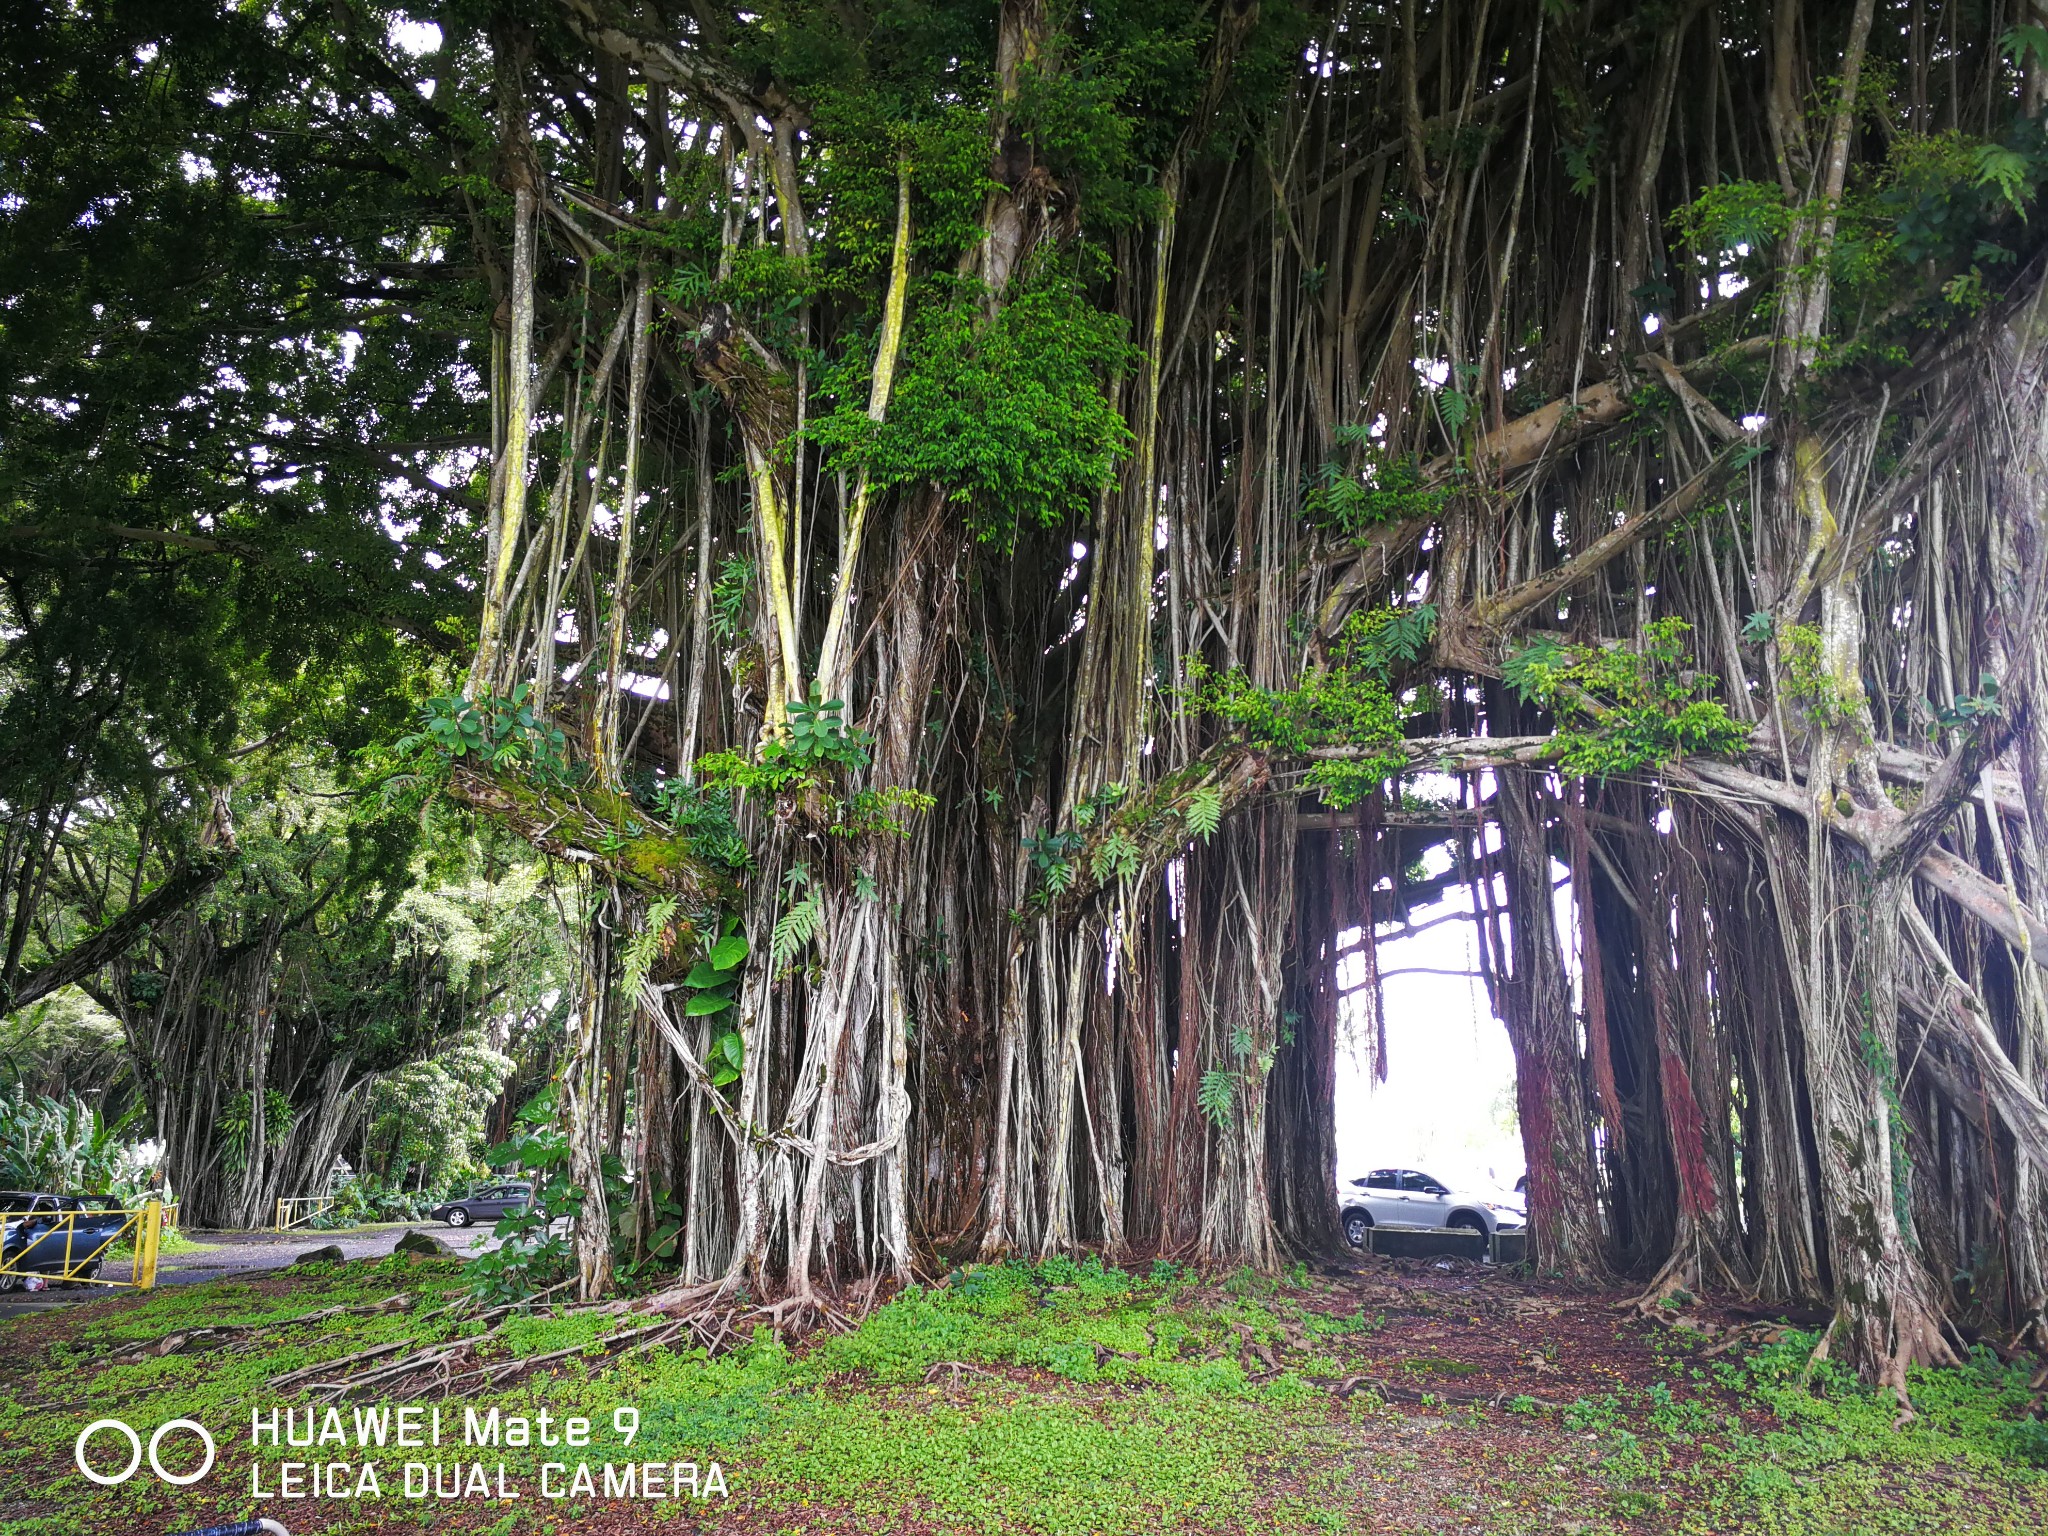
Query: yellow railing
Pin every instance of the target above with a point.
(296, 1212)
(30, 1233)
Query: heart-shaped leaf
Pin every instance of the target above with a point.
(706, 1003)
(728, 952)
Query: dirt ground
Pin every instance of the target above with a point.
(1470, 1400)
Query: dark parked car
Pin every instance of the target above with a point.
(35, 1238)
(487, 1204)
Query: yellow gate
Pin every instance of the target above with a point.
(294, 1212)
(31, 1239)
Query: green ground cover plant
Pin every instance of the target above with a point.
(1063, 1398)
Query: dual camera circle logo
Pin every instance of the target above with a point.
(127, 1432)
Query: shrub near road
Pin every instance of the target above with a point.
(1057, 1398)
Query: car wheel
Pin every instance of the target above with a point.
(458, 1217)
(9, 1282)
(1468, 1222)
(1356, 1225)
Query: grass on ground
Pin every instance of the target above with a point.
(1062, 1399)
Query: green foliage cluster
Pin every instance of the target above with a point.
(367, 1197)
(65, 1147)
(1622, 710)
(192, 559)
(803, 914)
(1808, 683)
(710, 987)
(809, 762)
(533, 1250)
(499, 734)
(236, 1126)
(1009, 416)
(1969, 709)
(1351, 499)
(1943, 205)
(1106, 833)
(429, 1115)
(819, 734)
(729, 596)
(1945, 194)
(1349, 704)
(1055, 856)
(707, 816)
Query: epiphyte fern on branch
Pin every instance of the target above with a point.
(646, 945)
(1204, 813)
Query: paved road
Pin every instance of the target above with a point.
(232, 1253)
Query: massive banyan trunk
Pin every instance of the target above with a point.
(1400, 357)
(1525, 973)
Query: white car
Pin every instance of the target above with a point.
(1404, 1197)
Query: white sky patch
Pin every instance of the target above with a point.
(1072, 573)
(414, 37)
(1447, 1106)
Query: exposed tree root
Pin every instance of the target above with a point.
(1675, 1279)
(1723, 1337)
(956, 1369)
(705, 1317)
(176, 1343)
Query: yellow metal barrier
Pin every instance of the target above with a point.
(29, 1234)
(296, 1212)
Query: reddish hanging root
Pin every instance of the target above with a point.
(1594, 981)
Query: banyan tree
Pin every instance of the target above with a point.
(1009, 528)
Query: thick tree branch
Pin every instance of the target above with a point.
(183, 886)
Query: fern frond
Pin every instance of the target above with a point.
(1215, 1096)
(649, 942)
(794, 929)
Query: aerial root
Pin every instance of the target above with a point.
(1920, 1339)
